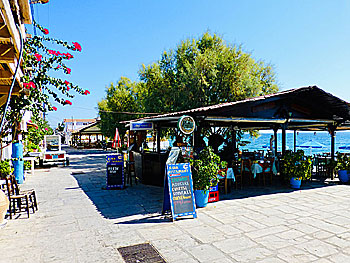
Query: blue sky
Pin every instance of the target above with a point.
(307, 41)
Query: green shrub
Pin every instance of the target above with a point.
(296, 164)
(205, 169)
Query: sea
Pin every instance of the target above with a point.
(342, 138)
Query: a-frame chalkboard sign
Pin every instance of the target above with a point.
(115, 171)
(180, 190)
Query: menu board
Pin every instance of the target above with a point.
(181, 190)
(115, 171)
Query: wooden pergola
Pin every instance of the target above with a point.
(89, 130)
(301, 109)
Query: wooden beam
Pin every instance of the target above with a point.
(7, 54)
(25, 11)
(4, 32)
(5, 90)
(10, 22)
(5, 75)
(12, 67)
(3, 100)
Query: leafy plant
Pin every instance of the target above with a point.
(32, 147)
(296, 164)
(27, 165)
(5, 168)
(343, 162)
(205, 169)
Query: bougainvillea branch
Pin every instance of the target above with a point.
(43, 55)
(41, 60)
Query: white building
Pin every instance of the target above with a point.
(72, 125)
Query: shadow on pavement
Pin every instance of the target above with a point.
(132, 205)
(142, 203)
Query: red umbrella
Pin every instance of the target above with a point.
(116, 141)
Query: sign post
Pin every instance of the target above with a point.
(180, 189)
(115, 172)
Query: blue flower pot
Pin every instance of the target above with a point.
(201, 197)
(343, 176)
(295, 182)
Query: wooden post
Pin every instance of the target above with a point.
(275, 134)
(295, 140)
(283, 140)
(234, 140)
(158, 140)
(332, 134)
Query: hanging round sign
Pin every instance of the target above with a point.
(186, 124)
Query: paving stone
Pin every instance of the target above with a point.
(251, 255)
(234, 244)
(174, 254)
(338, 241)
(266, 231)
(318, 248)
(205, 252)
(271, 260)
(339, 258)
(292, 254)
(206, 234)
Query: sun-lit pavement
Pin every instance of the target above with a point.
(78, 221)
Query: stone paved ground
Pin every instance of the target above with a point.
(77, 221)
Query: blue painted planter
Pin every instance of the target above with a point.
(295, 182)
(343, 176)
(201, 197)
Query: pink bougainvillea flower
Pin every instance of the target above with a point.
(38, 57)
(30, 121)
(29, 85)
(36, 127)
(68, 55)
(68, 70)
(52, 52)
(77, 46)
(67, 83)
(58, 53)
(86, 92)
(46, 31)
(46, 129)
(54, 108)
(68, 102)
(58, 66)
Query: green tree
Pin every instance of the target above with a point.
(203, 72)
(121, 97)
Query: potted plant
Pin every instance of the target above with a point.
(296, 167)
(343, 167)
(205, 167)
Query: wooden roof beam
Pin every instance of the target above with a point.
(10, 22)
(25, 11)
(4, 75)
(7, 54)
(3, 100)
(4, 90)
